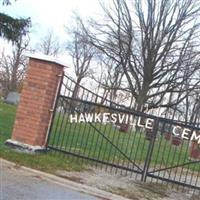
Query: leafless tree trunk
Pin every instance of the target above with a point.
(155, 43)
(12, 67)
(110, 80)
(81, 54)
(49, 45)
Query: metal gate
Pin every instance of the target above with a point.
(147, 147)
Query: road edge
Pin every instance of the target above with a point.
(70, 184)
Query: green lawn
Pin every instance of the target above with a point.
(48, 162)
(83, 139)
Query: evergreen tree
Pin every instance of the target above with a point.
(13, 28)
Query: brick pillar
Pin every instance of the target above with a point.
(36, 102)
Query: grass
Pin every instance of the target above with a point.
(47, 162)
(85, 140)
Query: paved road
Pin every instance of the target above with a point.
(17, 184)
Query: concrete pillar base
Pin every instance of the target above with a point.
(26, 148)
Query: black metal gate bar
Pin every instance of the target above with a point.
(149, 153)
(175, 166)
(95, 160)
(173, 181)
(134, 164)
(152, 155)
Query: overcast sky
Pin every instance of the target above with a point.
(50, 14)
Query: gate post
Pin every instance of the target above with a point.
(150, 152)
(34, 112)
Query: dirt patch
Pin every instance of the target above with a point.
(73, 178)
(125, 186)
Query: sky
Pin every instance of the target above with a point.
(50, 15)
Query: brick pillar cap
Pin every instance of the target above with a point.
(46, 58)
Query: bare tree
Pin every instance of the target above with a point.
(110, 78)
(12, 67)
(155, 42)
(49, 45)
(189, 108)
(81, 54)
(195, 109)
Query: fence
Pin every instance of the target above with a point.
(146, 147)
